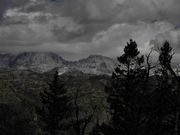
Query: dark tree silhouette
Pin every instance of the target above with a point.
(163, 104)
(167, 78)
(166, 55)
(126, 95)
(55, 107)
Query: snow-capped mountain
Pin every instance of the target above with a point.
(37, 61)
(46, 61)
(94, 64)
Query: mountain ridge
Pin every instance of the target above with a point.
(47, 61)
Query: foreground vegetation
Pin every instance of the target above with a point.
(20, 98)
(138, 99)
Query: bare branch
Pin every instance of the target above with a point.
(88, 120)
(149, 67)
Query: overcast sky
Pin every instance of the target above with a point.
(77, 28)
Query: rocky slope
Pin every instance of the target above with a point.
(47, 61)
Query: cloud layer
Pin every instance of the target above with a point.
(76, 28)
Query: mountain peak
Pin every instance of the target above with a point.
(98, 56)
(47, 61)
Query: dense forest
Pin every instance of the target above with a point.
(139, 98)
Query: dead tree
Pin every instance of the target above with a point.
(149, 66)
(81, 118)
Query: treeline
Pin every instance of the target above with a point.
(143, 99)
(138, 105)
(142, 103)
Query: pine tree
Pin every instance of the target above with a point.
(126, 94)
(161, 107)
(165, 57)
(54, 106)
(163, 102)
(168, 92)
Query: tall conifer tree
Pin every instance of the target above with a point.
(54, 106)
(126, 94)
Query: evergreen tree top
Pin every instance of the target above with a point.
(131, 49)
(130, 52)
(165, 54)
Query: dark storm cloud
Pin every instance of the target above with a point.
(80, 27)
(6, 4)
(3, 6)
(99, 15)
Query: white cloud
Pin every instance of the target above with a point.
(82, 27)
(172, 36)
(33, 32)
(115, 38)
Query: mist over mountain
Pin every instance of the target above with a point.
(47, 61)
